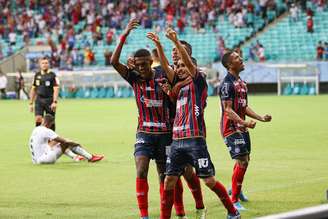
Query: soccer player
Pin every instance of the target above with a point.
(46, 146)
(154, 132)
(189, 175)
(44, 91)
(234, 103)
(189, 144)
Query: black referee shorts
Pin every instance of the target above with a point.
(42, 106)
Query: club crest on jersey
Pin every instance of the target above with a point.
(237, 150)
(140, 141)
(47, 83)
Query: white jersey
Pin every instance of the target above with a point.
(39, 141)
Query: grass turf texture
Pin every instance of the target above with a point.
(288, 169)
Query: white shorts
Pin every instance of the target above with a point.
(51, 155)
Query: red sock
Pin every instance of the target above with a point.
(237, 180)
(178, 198)
(196, 191)
(166, 204)
(142, 196)
(222, 193)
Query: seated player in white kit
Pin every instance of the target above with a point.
(46, 146)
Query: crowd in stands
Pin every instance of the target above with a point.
(56, 21)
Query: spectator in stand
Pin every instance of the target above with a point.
(294, 12)
(309, 24)
(89, 57)
(320, 51)
(261, 53)
(108, 55)
(252, 52)
(12, 38)
(181, 23)
(109, 36)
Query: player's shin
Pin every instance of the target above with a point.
(178, 198)
(194, 186)
(81, 151)
(237, 180)
(222, 193)
(142, 196)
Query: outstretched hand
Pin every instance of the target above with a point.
(133, 24)
(171, 34)
(154, 37)
(266, 118)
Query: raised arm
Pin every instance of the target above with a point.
(162, 58)
(232, 115)
(115, 60)
(252, 114)
(172, 35)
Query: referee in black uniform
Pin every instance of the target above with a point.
(44, 91)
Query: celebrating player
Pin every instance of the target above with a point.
(189, 175)
(189, 144)
(154, 127)
(46, 146)
(234, 103)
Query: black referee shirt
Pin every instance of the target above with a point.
(44, 83)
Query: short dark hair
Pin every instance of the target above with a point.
(187, 45)
(226, 59)
(194, 60)
(49, 119)
(142, 53)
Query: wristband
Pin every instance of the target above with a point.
(123, 38)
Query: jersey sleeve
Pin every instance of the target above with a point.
(56, 81)
(131, 77)
(50, 134)
(34, 81)
(227, 92)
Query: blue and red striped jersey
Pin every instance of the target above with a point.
(189, 118)
(152, 102)
(235, 90)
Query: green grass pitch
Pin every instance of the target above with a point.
(288, 169)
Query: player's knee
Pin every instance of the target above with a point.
(169, 182)
(243, 163)
(142, 173)
(210, 182)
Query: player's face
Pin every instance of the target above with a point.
(143, 66)
(182, 71)
(44, 64)
(237, 63)
(175, 54)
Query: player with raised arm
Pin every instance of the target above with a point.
(234, 104)
(189, 133)
(189, 175)
(154, 132)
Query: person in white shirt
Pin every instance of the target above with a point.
(3, 85)
(46, 146)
